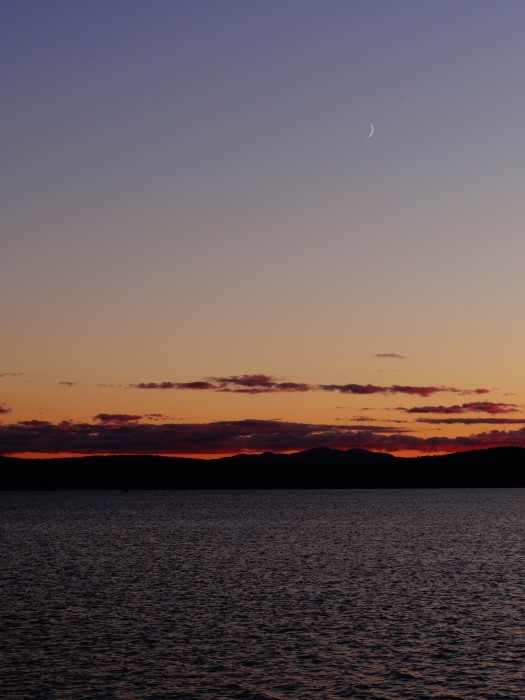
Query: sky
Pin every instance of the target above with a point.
(202, 253)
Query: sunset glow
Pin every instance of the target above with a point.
(206, 252)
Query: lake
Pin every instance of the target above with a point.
(263, 595)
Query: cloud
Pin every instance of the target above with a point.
(245, 380)
(203, 386)
(390, 356)
(127, 418)
(367, 419)
(419, 390)
(423, 391)
(256, 384)
(375, 428)
(198, 385)
(154, 385)
(243, 384)
(4, 409)
(265, 384)
(10, 374)
(353, 388)
(116, 418)
(472, 407)
(225, 437)
(67, 384)
(281, 387)
(472, 421)
(362, 419)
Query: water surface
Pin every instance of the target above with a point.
(263, 595)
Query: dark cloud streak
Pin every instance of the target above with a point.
(264, 384)
(116, 418)
(472, 421)
(390, 356)
(472, 407)
(226, 437)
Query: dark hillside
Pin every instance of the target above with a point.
(319, 468)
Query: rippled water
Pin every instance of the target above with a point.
(263, 595)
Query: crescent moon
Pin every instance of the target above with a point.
(371, 131)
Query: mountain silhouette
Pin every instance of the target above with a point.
(316, 468)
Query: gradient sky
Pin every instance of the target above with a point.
(188, 195)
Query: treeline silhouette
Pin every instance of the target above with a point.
(312, 469)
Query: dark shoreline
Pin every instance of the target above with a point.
(501, 467)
